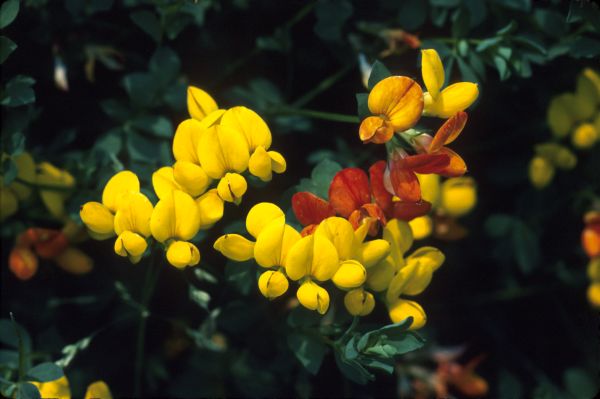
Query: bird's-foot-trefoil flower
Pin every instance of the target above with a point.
(443, 103)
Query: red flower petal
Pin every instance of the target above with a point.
(310, 209)
(349, 190)
(456, 167)
(449, 131)
(409, 210)
(405, 183)
(426, 163)
(382, 197)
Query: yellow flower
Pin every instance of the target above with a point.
(397, 103)
(447, 102)
(222, 149)
(211, 208)
(174, 221)
(400, 309)
(199, 103)
(132, 225)
(273, 284)
(59, 389)
(559, 115)
(54, 200)
(430, 188)
(541, 172)
(232, 187)
(99, 217)
(9, 204)
(584, 136)
(359, 302)
(421, 227)
(459, 196)
(313, 297)
(593, 294)
(26, 171)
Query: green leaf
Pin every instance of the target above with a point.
(585, 47)
(164, 64)
(385, 365)
(445, 3)
(201, 298)
(552, 23)
(510, 28)
(26, 390)
(499, 225)
(584, 11)
(142, 149)
(203, 275)
(7, 46)
(477, 12)
(242, 275)
(468, 75)
(519, 5)
(527, 248)
(509, 386)
(8, 12)
(44, 372)
(352, 369)
(70, 351)
(321, 177)
(9, 359)
(148, 22)
(158, 126)
(372, 336)
(116, 109)
(378, 73)
(460, 23)
(308, 349)
(18, 92)
(331, 16)
(579, 383)
(8, 335)
(141, 87)
(302, 317)
(362, 103)
(477, 64)
(439, 16)
(411, 14)
(487, 43)
(502, 67)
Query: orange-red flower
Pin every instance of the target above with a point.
(590, 237)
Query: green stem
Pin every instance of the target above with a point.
(353, 325)
(310, 113)
(147, 289)
(324, 85)
(21, 348)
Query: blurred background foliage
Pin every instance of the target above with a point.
(96, 86)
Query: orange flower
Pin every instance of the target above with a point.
(462, 378)
(23, 263)
(590, 237)
(397, 103)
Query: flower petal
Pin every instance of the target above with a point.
(449, 131)
(380, 275)
(186, 139)
(260, 216)
(372, 252)
(163, 181)
(210, 206)
(222, 149)
(273, 284)
(349, 190)
(429, 257)
(421, 227)
(425, 163)
(119, 186)
(459, 196)
(235, 247)
(98, 390)
(313, 297)
(191, 177)
(401, 309)
(248, 122)
(182, 253)
(341, 234)
(430, 187)
(359, 302)
(405, 183)
(432, 71)
(175, 216)
(310, 209)
(382, 197)
(407, 211)
(399, 235)
(399, 99)
(199, 103)
(259, 164)
(457, 166)
(97, 218)
(313, 255)
(375, 129)
(350, 274)
(232, 187)
(278, 163)
(452, 99)
(9, 204)
(130, 244)
(134, 215)
(274, 242)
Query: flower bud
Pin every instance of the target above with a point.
(272, 284)
(313, 297)
(350, 274)
(235, 247)
(182, 253)
(131, 244)
(98, 389)
(593, 294)
(401, 309)
(232, 187)
(593, 270)
(459, 196)
(541, 172)
(23, 263)
(74, 261)
(359, 302)
(590, 240)
(372, 252)
(585, 136)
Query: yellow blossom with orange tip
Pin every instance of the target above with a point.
(443, 102)
(397, 104)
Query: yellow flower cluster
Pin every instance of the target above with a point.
(53, 184)
(450, 199)
(212, 148)
(335, 252)
(570, 114)
(60, 389)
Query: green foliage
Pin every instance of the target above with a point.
(520, 237)
(44, 372)
(320, 178)
(8, 12)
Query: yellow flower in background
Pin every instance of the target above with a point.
(447, 102)
(585, 136)
(60, 389)
(458, 196)
(132, 225)
(99, 217)
(541, 172)
(16, 191)
(200, 103)
(397, 104)
(54, 200)
(593, 294)
(421, 227)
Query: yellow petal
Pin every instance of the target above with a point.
(260, 216)
(98, 218)
(587, 96)
(421, 227)
(350, 274)
(278, 163)
(401, 309)
(313, 255)
(175, 216)
(54, 202)
(399, 235)
(210, 207)
(399, 99)
(380, 275)
(25, 171)
(232, 187)
(429, 257)
(541, 172)
(221, 150)
(274, 242)
(341, 234)
(191, 177)
(212, 119)
(245, 120)
(186, 139)
(98, 390)
(8, 203)
(432, 71)
(593, 269)
(260, 164)
(459, 196)
(57, 389)
(313, 297)
(130, 244)
(585, 136)
(273, 284)
(454, 98)
(593, 294)
(199, 103)
(119, 186)
(361, 232)
(182, 253)
(359, 302)
(235, 247)
(559, 117)
(163, 181)
(372, 252)
(134, 215)
(430, 188)
(49, 174)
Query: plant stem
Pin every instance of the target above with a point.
(310, 113)
(324, 85)
(353, 325)
(21, 348)
(147, 289)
